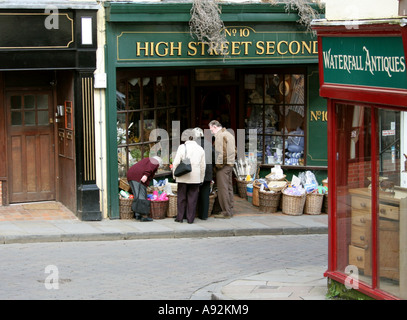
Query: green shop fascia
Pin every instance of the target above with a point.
(162, 80)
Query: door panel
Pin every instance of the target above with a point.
(31, 146)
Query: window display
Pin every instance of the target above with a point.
(275, 106)
(144, 104)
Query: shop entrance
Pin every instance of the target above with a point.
(31, 161)
(216, 103)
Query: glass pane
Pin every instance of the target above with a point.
(161, 91)
(274, 88)
(121, 128)
(43, 118)
(295, 89)
(171, 87)
(15, 102)
(134, 94)
(122, 162)
(353, 192)
(42, 101)
(29, 102)
(29, 118)
(391, 202)
(134, 127)
(16, 118)
(184, 92)
(148, 92)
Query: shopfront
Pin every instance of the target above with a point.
(162, 81)
(363, 76)
(47, 60)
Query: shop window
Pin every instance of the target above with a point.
(147, 107)
(275, 107)
(371, 195)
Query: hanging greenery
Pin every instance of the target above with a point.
(207, 26)
(306, 11)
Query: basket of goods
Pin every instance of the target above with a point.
(315, 200)
(172, 206)
(293, 200)
(325, 203)
(242, 188)
(256, 190)
(275, 177)
(269, 201)
(125, 207)
(159, 205)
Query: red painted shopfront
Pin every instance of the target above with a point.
(363, 76)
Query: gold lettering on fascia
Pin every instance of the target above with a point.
(238, 46)
(232, 48)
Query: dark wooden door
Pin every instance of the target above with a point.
(31, 161)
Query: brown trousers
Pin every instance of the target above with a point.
(187, 198)
(224, 183)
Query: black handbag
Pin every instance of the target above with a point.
(184, 167)
(140, 204)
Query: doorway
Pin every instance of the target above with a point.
(216, 103)
(31, 160)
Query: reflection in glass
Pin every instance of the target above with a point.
(15, 102)
(29, 118)
(42, 118)
(353, 170)
(29, 102)
(42, 101)
(16, 118)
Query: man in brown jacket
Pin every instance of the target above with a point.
(224, 161)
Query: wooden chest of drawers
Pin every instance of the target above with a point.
(360, 248)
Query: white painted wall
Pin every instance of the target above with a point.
(360, 9)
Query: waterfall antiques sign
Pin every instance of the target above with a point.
(364, 61)
(161, 44)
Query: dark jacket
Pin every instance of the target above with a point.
(209, 157)
(146, 166)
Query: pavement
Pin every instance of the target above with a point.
(303, 283)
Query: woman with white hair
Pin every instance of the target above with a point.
(188, 184)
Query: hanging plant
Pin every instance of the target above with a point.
(207, 26)
(306, 11)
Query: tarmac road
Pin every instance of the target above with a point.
(148, 269)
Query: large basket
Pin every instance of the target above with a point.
(256, 190)
(172, 206)
(158, 209)
(293, 205)
(242, 188)
(125, 208)
(313, 203)
(269, 201)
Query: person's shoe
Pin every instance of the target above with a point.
(138, 216)
(176, 220)
(144, 219)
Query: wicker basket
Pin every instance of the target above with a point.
(269, 201)
(242, 188)
(270, 177)
(293, 205)
(256, 190)
(158, 209)
(172, 206)
(276, 185)
(313, 203)
(125, 208)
